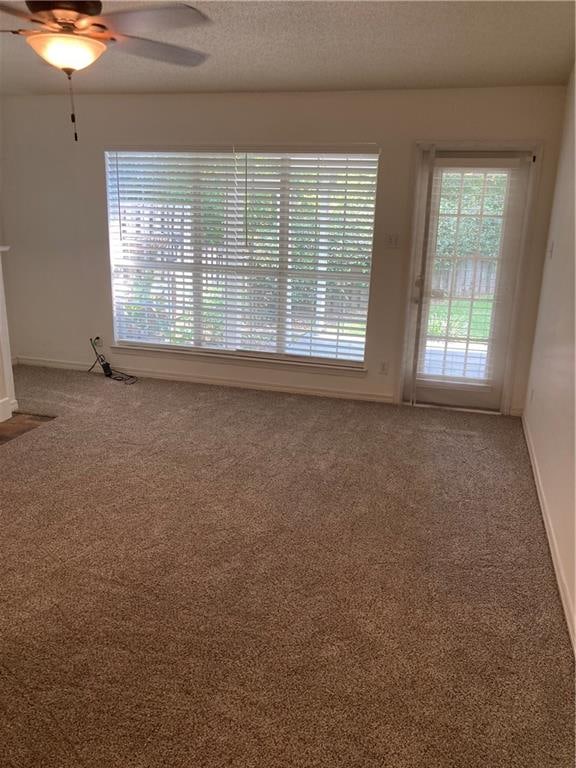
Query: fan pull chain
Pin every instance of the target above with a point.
(72, 107)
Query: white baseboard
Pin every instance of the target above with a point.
(145, 373)
(561, 577)
(42, 362)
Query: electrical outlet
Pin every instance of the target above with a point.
(98, 342)
(384, 367)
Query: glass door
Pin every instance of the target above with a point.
(474, 223)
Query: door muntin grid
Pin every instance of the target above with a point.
(464, 274)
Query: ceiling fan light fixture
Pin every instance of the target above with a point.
(66, 52)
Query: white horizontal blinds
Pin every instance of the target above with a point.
(254, 252)
(474, 233)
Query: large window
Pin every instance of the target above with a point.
(256, 252)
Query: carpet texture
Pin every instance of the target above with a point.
(200, 577)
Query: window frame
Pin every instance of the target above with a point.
(352, 367)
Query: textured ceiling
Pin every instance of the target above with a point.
(286, 46)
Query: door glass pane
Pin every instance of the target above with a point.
(467, 216)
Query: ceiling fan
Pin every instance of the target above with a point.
(72, 35)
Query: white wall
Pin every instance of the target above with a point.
(55, 212)
(549, 415)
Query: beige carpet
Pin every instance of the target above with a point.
(197, 577)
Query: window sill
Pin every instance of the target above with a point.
(243, 358)
(453, 384)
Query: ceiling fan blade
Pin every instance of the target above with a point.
(152, 49)
(174, 16)
(6, 8)
(14, 11)
(24, 32)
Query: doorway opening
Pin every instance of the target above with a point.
(470, 231)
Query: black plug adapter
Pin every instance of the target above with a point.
(106, 368)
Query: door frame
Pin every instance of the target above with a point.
(418, 242)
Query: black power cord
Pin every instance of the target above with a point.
(107, 370)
